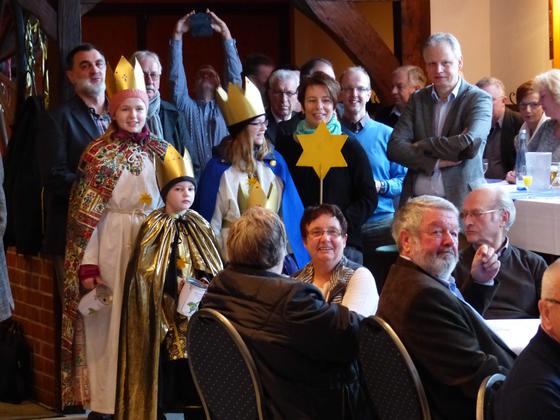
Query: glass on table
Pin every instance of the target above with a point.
(554, 179)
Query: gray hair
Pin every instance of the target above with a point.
(257, 239)
(440, 37)
(409, 216)
(415, 75)
(504, 201)
(550, 280)
(549, 80)
(491, 81)
(356, 69)
(283, 74)
(139, 55)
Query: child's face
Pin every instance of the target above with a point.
(131, 115)
(180, 197)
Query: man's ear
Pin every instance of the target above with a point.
(544, 309)
(405, 242)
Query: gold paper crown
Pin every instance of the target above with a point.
(238, 104)
(173, 166)
(257, 197)
(125, 77)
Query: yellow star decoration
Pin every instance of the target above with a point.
(181, 263)
(322, 150)
(145, 199)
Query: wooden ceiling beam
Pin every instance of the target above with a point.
(353, 33)
(414, 30)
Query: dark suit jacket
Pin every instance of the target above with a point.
(174, 126)
(532, 388)
(510, 127)
(273, 130)
(451, 346)
(63, 134)
(303, 347)
(387, 117)
(414, 144)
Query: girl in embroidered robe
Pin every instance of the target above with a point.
(115, 190)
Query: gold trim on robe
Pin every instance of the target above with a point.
(149, 315)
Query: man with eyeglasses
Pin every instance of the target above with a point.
(487, 215)
(449, 342)
(373, 136)
(163, 119)
(500, 148)
(282, 99)
(532, 388)
(440, 137)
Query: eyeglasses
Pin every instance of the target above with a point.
(360, 89)
(557, 302)
(475, 213)
(288, 93)
(524, 105)
(259, 123)
(152, 75)
(331, 233)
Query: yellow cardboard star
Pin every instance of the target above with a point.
(322, 150)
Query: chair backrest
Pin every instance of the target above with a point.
(223, 369)
(485, 396)
(392, 381)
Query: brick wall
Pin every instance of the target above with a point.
(37, 309)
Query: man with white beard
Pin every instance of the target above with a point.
(448, 340)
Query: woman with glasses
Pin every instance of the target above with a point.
(245, 171)
(342, 281)
(351, 188)
(531, 112)
(547, 139)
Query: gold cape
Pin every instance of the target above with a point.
(148, 315)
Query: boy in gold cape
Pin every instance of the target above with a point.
(174, 244)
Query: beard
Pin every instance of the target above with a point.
(89, 89)
(439, 265)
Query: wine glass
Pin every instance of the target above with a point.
(527, 181)
(484, 165)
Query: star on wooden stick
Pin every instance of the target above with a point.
(322, 150)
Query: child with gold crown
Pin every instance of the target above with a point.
(116, 188)
(246, 171)
(181, 245)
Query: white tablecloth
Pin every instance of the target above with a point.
(516, 333)
(537, 223)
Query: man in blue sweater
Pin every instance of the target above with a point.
(373, 136)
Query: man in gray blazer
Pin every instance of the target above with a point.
(441, 135)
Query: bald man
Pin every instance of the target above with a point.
(532, 388)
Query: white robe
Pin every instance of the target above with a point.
(227, 209)
(111, 247)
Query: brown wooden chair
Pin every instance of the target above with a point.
(392, 381)
(223, 369)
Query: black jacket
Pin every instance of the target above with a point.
(304, 348)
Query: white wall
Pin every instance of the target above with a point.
(507, 39)
(469, 21)
(519, 40)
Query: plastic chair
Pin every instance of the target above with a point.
(392, 381)
(485, 396)
(223, 369)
